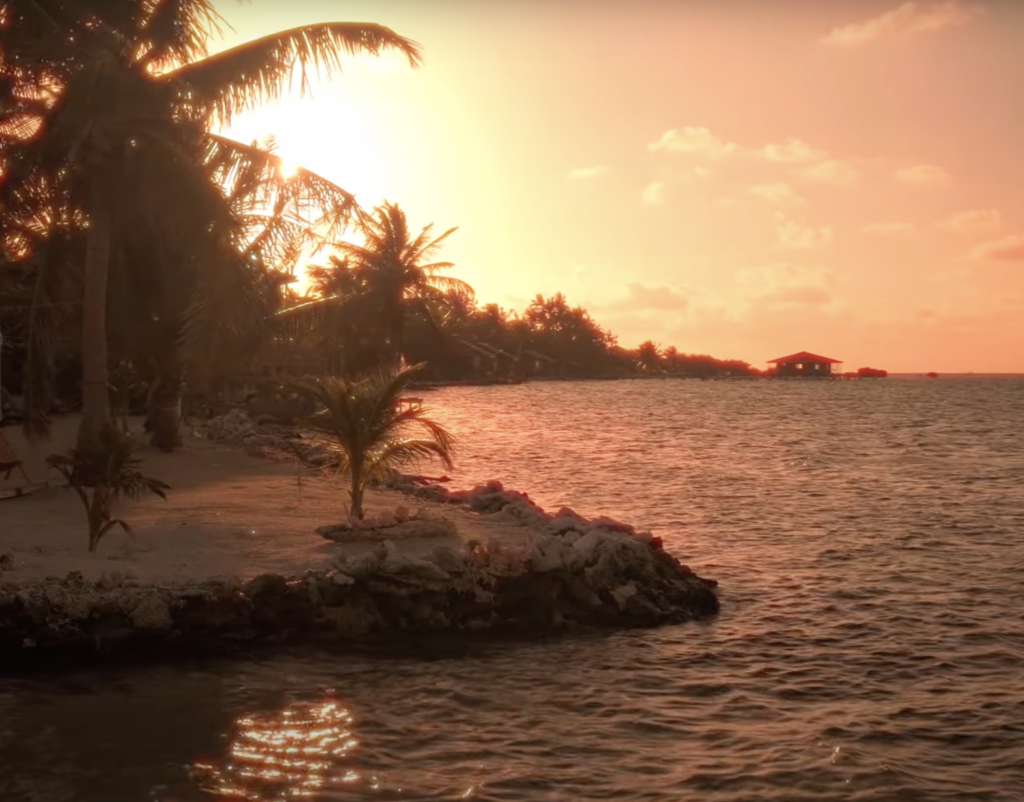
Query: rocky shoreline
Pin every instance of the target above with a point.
(573, 574)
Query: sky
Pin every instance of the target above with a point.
(744, 179)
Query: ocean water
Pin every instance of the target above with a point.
(869, 541)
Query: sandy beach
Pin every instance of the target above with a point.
(227, 514)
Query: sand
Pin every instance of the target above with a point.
(228, 514)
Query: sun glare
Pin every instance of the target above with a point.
(288, 168)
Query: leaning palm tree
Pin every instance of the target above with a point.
(373, 430)
(105, 115)
(394, 276)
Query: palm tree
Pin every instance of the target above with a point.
(106, 113)
(283, 218)
(373, 430)
(393, 276)
(103, 471)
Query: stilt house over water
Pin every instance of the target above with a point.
(805, 364)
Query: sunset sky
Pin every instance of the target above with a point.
(746, 178)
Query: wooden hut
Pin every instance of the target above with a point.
(805, 364)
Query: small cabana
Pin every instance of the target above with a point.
(805, 364)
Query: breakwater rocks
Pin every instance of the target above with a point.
(573, 573)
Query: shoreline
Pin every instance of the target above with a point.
(483, 562)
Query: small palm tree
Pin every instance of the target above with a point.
(374, 430)
(103, 470)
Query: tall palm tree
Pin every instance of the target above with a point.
(106, 113)
(283, 219)
(373, 430)
(394, 277)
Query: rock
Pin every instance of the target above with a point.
(355, 618)
(623, 593)
(7, 561)
(389, 528)
(550, 553)
(342, 579)
(214, 611)
(448, 559)
(611, 524)
(566, 520)
(111, 581)
(151, 612)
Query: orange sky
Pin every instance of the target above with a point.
(746, 178)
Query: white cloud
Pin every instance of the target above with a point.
(813, 164)
(785, 284)
(831, 171)
(888, 230)
(903, 21)
(794, 234)
(975, 221)
(654, 193)
(588, 172)
(779, 192)
(792, 151)
(696, 141)
(1007, 249)
(642, 297)
(923, 175)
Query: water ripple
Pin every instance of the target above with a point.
(868, 536)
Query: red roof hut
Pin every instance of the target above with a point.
(805, 364)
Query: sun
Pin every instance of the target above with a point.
(287, 168)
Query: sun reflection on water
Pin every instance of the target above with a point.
(290, 754)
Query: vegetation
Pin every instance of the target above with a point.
(375, 431)
(103, 470)
(123, 297)
(103, 104)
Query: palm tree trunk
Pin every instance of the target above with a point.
(356, 469)
(95, 381)
(166, 409)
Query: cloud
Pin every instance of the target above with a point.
(923, 174)
(792, 151)
(906, 20)
(975, 221)
(888, 230)
(831, 171)
(811, 163)
(654, 193)
(696, 141)
(794, 234)
(786, 284)
(1007, 249)
(642, 297)
(588, 172)
(798, 296)
(779, 192)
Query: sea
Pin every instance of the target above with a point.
(868, 536)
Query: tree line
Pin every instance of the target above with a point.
(140, 250)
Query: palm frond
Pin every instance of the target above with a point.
(254, 182)
(175, 32)
(243, 77)
(402, 453)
